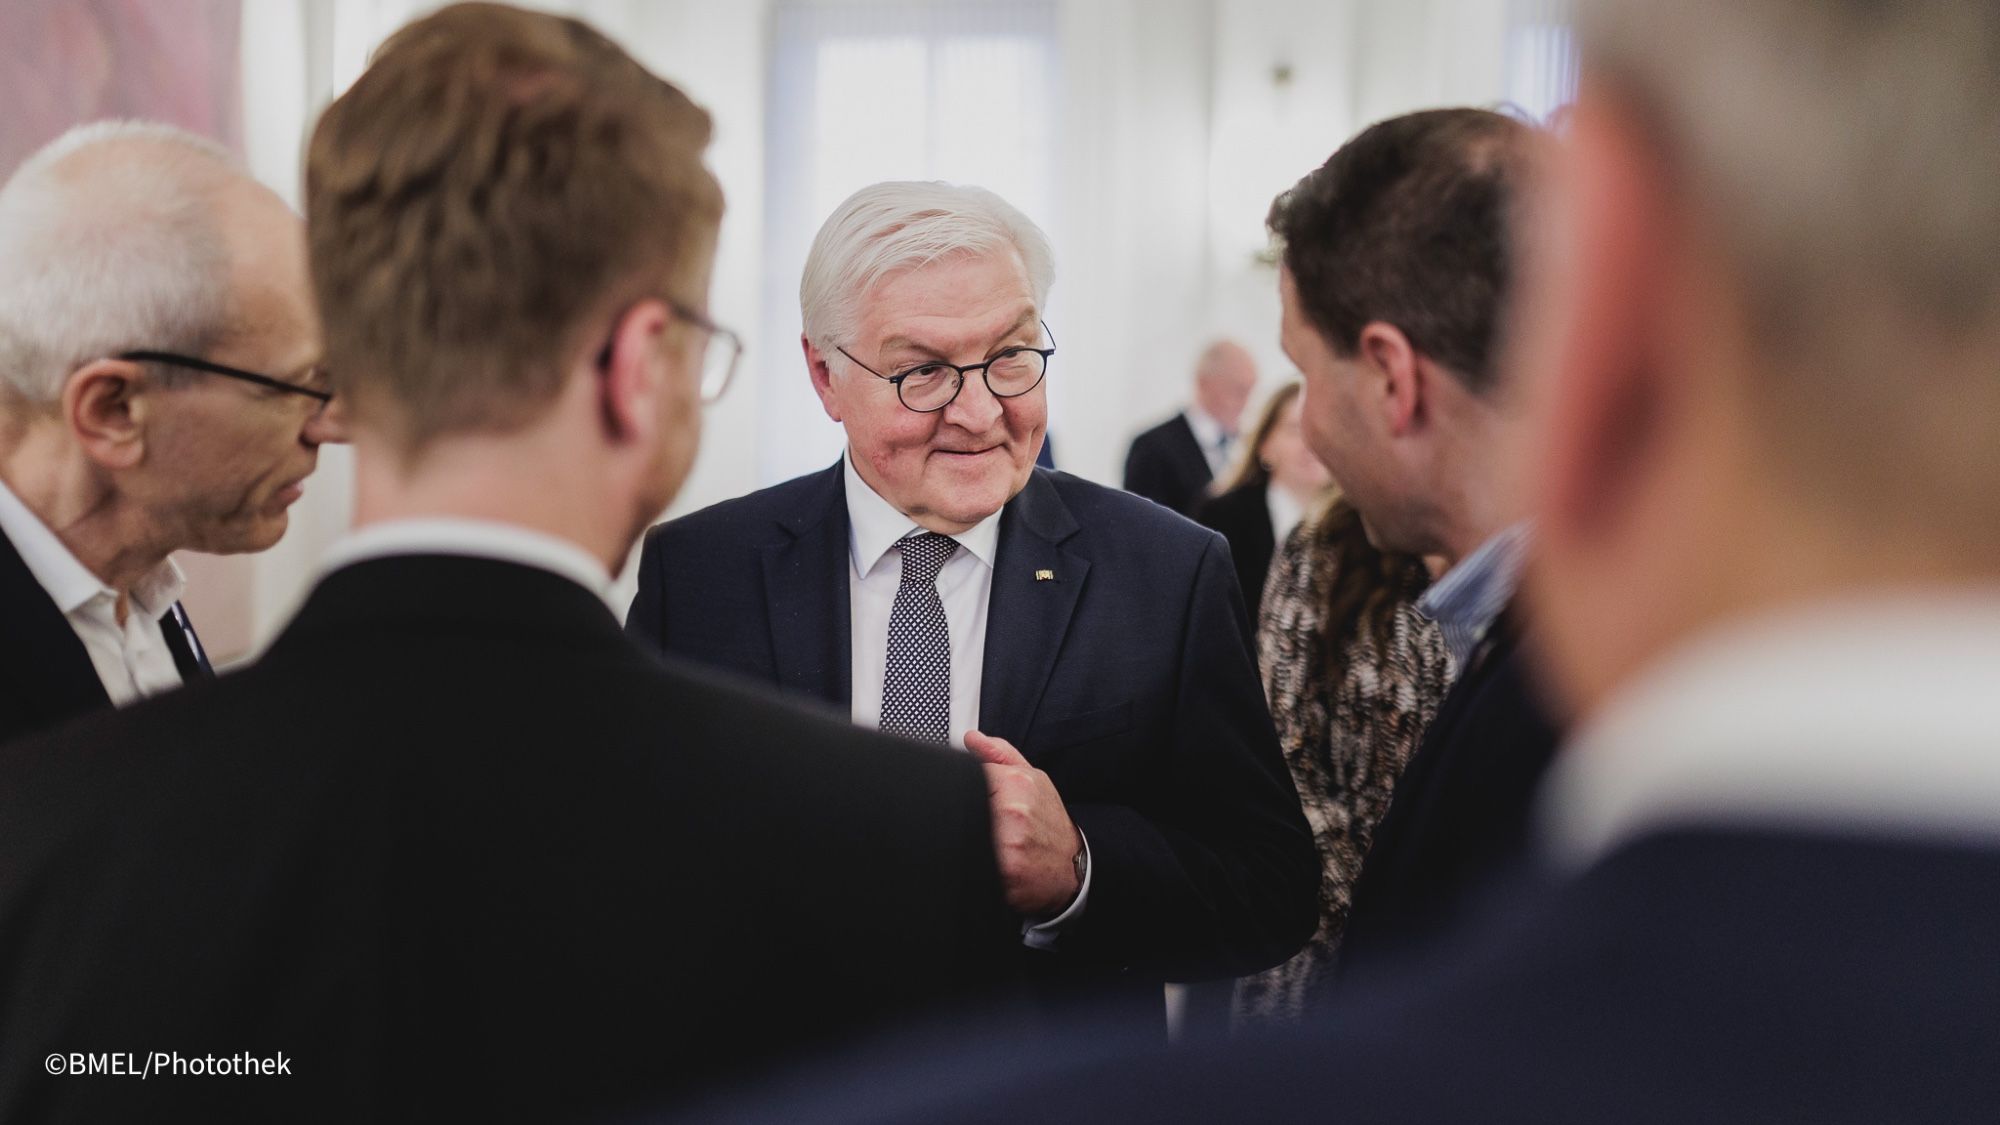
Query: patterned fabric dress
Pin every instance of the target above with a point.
(1346, 742)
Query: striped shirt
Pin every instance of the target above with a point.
(1465, 602)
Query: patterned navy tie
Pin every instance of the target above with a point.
(916, 681)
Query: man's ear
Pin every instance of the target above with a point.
(106, 405)
(822, 377)
(1601, 305)
(1394, 376)
(633, 372)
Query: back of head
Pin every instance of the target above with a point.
(111, 239)
(1851, 188)
(888, 228)
(1408, 224)
(495, 188)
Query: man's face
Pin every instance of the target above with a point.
(225, 459)
(1226, 383)
(949, 469)
(1336, 426)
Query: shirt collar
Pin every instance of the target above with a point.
(874, 525)
(1207, 431)
(69, 583)
(472, 538)
(1465, 602)
(1876, 715)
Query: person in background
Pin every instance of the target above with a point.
(1173, 463)
(456, 848)
(1088, 646)
(1274, 483)
(160, 391)
(1354, 674)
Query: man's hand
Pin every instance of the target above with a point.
(1032, 833)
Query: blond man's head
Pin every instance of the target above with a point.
(483, 202)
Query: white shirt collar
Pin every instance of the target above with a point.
(482, 539)
(874, 525)
(68, 582)
(1207, 431)
(1879, 715)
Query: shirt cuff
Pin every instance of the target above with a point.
(1043, 935)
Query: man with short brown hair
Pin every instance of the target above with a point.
(456, 848)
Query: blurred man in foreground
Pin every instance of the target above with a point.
(456, 848)
(1769, 580)
(159, 391)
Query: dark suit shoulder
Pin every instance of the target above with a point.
(1164, 430)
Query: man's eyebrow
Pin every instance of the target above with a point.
(908, 343)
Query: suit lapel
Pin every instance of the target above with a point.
(1036, 584)
(190, 659)
(805, 580)
(43, 665)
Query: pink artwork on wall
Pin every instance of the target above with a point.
(64, 62)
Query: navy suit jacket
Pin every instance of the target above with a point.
(46, 675)
(1126, 678)
(1725, 974)
(1462, 810)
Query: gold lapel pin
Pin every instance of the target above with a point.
(1045, 576)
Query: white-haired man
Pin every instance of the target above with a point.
(159, 391)
(1175, 462)
(1088, 646)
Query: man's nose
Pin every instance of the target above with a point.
(327, 425)
(975, 409)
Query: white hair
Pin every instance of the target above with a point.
(891, 227)
(110, 241)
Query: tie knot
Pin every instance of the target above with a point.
(924, 555)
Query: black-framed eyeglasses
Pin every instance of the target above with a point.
(931, 386)
(188, 361)
(718, 366)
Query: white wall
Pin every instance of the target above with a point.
(1177, 131)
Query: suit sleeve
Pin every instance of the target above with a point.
(1217, 875)
(646, 620)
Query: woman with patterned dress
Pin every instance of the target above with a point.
(1353, 674)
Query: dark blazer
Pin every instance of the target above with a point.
(45, 673)
(461, 850)
(1166, 465)
(1126, 677)
(1462, 808)
(1243, 516)
(1731, 975)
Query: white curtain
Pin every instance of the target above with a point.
(1541, 56)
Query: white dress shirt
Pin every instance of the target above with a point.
(479, 539)
(1878, 716)
(1208, 433)
(132, 659)
(965, 586)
